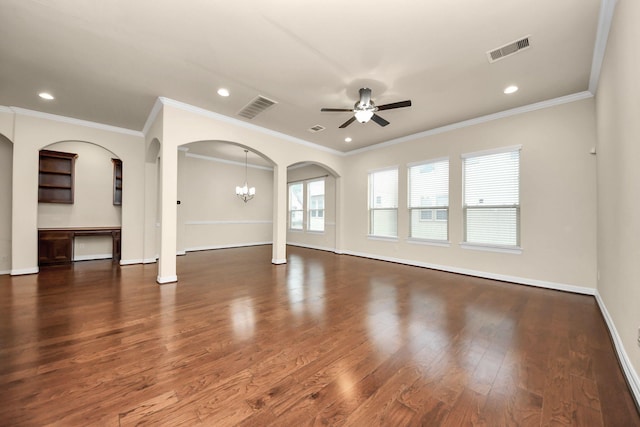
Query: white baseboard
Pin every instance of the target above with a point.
(167, 279)
(131, 261)
(5, 272)
(627, 368)
(92, 257)
(320, 248)
(278, 261)
(228, 246)
(482, 274)
(21, 271)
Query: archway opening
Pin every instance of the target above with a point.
(94, 178)
(6, 188)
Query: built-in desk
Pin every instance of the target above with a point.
(55, 245)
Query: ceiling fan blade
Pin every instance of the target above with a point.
(379, 120)
(335, 110)
(347, 123)
(400, 104)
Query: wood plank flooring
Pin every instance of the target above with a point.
(324, 340)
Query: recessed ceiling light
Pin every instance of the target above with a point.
(45, 95)
(223, 92)
(510, 89)
(347, 139)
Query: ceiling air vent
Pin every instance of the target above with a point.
(316, 128)
(256, 107)
(508, 49)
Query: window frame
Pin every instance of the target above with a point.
(291, 211)
(516, 248)
(434, 209)
(373, 210)
(309, 210)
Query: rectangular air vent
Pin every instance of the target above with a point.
(316, 128)
(256, 107)
(508, 49)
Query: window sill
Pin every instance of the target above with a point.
(516, 250)
(428, 242)
(315, 231)
(382, 238)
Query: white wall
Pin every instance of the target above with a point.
(618, 115)
(319, 240)
(558, 198)
(6, 158)
(210, 215)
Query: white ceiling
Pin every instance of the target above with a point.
(108, 61)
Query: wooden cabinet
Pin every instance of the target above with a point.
(55, 245)
(55, 177)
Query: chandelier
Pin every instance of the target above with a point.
(244, 192)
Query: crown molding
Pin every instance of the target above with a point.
(76, 122)
(478, 120)
(155, 110)
(607, 7)
(210, 114)
(4, 109)
(229, 162)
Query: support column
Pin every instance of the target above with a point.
(24, 210)
(168, 213)
(279, 215)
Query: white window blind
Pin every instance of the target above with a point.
(429, 200)
(383, 203)
(492, 198)
(315, 198)
(296, 206)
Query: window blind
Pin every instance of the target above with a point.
(383, 203)
(429, 200)
(492, 198)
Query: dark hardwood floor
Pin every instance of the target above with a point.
(323, 340)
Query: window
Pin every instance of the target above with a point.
(492, 198)
(383, 203)
(315, 197)
(296, 206)
(429, 200)
(55, 177)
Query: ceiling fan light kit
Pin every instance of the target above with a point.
(365, 109)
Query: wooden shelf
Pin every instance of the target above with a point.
(55, 177)
(117, 182)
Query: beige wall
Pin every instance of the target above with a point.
(618, 113)
(210, 215)
(6, 158)
(34, 132)
(558, 198)
(318, 240)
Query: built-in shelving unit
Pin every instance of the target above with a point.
(117, 182)
(55, 177)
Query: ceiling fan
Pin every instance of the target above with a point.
(365, 110)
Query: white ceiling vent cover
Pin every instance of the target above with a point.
(256, 107)
(316, 128)
(508, 49)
